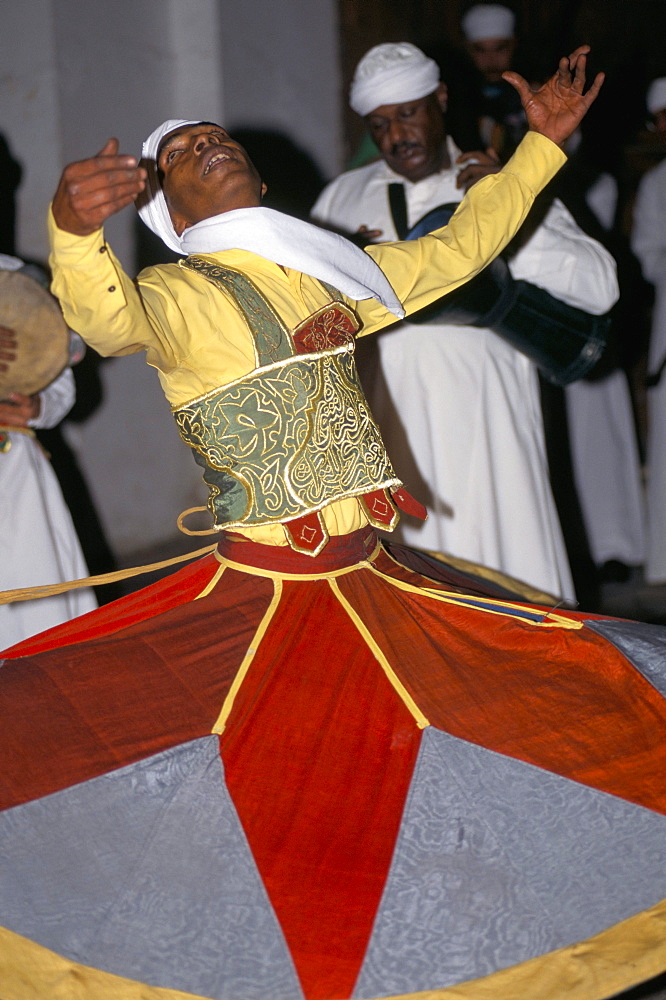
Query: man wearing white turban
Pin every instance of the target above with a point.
(656, 103)
(458, 405)
(648, 242)
(489, 31)
(38, 542)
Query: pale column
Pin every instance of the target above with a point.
(282, 72)
(194, 30)
(29, 114)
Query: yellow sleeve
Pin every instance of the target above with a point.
(488, 217)
(99, 301)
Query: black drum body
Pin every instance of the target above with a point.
(563, 341)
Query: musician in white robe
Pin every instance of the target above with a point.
(458, 406)
(38, 543)
(649, 245)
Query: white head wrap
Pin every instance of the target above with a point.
(9, 263)
(270, 234)
(656, 95)
(488, 21)
(151, 203)
(392, 73)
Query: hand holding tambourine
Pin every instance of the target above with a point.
(34, 343)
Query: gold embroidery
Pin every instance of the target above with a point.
(286, 441)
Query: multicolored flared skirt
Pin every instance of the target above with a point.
(271, 777)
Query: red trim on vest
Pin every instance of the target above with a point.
(306, 534)
(406, 502)
(379, 508)
(329, 328)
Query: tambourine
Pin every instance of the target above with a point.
(42, 336)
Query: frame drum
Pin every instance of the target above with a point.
(42, 336)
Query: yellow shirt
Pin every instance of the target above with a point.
(194, 335)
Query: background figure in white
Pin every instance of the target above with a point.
(458, 406)
(38, 543)
(604, 443)
(489, 31)
(649, 245)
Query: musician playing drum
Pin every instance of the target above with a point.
(38, 543)
(458, 405)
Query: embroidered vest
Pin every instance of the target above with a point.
(294, 435)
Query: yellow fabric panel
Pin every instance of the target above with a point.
(30, 972)
(629, 953)
(617, 959)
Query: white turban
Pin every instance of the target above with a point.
(656, 95)
(392, 74)
(8, 263)
(281, 238)
(488, 21)
(151, 203)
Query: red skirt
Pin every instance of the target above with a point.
(272, 776)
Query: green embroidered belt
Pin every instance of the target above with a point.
(286, 441)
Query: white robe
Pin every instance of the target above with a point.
(468, 438)
(607, 468)
(649, 244)
(604, 443)
(38, 543)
